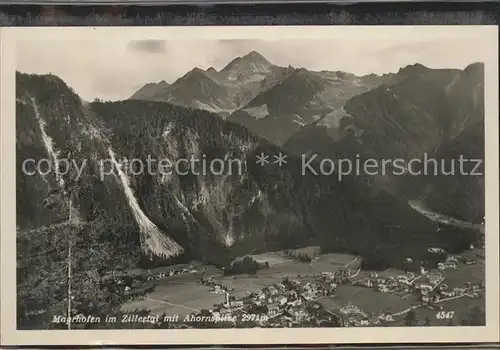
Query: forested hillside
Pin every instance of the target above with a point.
(101, 225)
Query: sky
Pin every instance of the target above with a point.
(115, 69)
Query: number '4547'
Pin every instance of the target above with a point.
(445, 315)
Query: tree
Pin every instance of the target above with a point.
(410, 319)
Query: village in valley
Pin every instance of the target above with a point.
(328, 290)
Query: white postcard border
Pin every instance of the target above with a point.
(10, 336)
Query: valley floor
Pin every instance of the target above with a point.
(332, 290)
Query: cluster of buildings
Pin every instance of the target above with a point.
(290, 295)
(351, 309)
(451, 262)
(127, 282)
(443, 292)
(402, 283)
(283, 304)
(173, 272)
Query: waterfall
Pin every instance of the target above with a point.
(48, 142)
(152, 239)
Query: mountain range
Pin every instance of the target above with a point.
(415, 111)
(272, 101)
(112, 223)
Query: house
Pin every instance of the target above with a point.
(446, 293)
(296, 302)
(425, 286)
(369, 284)
(300, 315)
(127, 289)
(307, 295)
(350, 309)
(282, 300)
(386, 317)
(364, 322)
(273, 310)
(425, 298)
(441, 266)
(451, 259)
(382, 288)
(409, 260)
(236, 303)
(433, 279)
(225, 310)
(443, 287)
(435, 250)
(272, 290)
(373, 275)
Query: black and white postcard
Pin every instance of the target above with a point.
(217, 185)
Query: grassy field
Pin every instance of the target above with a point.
(272, 258)
(177, 298)
(367, 299)
(182, 294)
(311, 251)
(463, 274)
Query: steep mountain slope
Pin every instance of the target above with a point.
(56, 128)
(252, 66)
(423, 111)
(111, 214)
(151, 89)
(219, 92)
(263, 208)
(461, 195)
(197, 89)
(302, 97)
(253, 88)
(426, 108)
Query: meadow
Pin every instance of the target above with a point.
(184, 294)
(367, 299)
